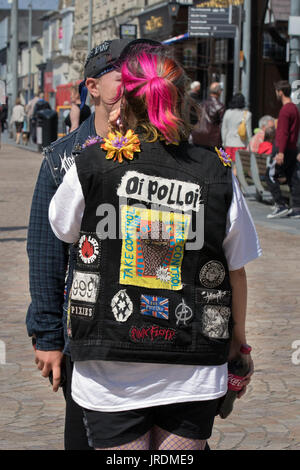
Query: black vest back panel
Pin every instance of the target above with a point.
(151, 281)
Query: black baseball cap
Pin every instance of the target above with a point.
(106, 55)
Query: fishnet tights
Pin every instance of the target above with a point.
(158, 439)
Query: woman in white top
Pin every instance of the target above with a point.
(126, 402)
(17, 117)
(233, 118)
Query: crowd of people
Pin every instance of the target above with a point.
(23, 121)
(277, 139)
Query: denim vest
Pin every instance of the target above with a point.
(151, 282)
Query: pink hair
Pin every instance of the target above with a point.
(151, 78)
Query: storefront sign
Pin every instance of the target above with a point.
(156, 24)
(218, 3)
(128, 31)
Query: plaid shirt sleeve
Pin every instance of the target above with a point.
(48, 259)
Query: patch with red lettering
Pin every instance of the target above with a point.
(89, 249)
(152, 334)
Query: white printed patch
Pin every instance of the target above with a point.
(213, 296)
(215, 321)
(183, 313)
(175, 194)
(212, 274)
(121, 306)
(85, 287)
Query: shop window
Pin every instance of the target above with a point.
(189, 58)
(273, 50)
(221, 51)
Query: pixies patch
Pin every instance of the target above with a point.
(175, 194)
(89, 249)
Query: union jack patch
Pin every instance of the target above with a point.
(157, 307)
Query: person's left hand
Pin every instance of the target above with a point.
(279, 158)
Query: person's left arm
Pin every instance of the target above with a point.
(241, 245)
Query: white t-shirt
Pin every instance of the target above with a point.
(119, 386)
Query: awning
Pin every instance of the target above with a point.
(281, 9)
(181, 37)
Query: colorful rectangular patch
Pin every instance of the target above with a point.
(152, 247)
(157, 307)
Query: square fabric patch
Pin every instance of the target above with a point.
(85, 287)
(215, 321)
(157, 307)
(152, 247)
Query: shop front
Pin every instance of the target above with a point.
(204, 58)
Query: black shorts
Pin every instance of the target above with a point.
(19, 126)
(192, 420)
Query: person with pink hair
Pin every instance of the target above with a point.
(157, 305)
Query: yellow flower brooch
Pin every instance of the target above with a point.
(119, 146)
(223, 156)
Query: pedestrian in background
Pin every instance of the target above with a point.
(17, 118)
(266, 147)
(195, 88)
(286, 163)
(3, 115)
(236, 126)
(207, 131)
(78, 113)
(29, 110)
(259, 136)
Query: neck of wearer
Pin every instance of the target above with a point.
(101, 121)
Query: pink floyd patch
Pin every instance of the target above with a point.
(151, 334)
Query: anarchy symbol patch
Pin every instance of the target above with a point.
(212, 274)
(183, 313)
(121, 306)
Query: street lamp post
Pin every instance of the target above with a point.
(29, 48)
(247, 52)
(14, 49)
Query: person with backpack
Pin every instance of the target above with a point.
(236, 126)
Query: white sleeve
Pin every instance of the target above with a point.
(67, 207)
(241, 244)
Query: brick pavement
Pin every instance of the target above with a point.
(32, 416)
